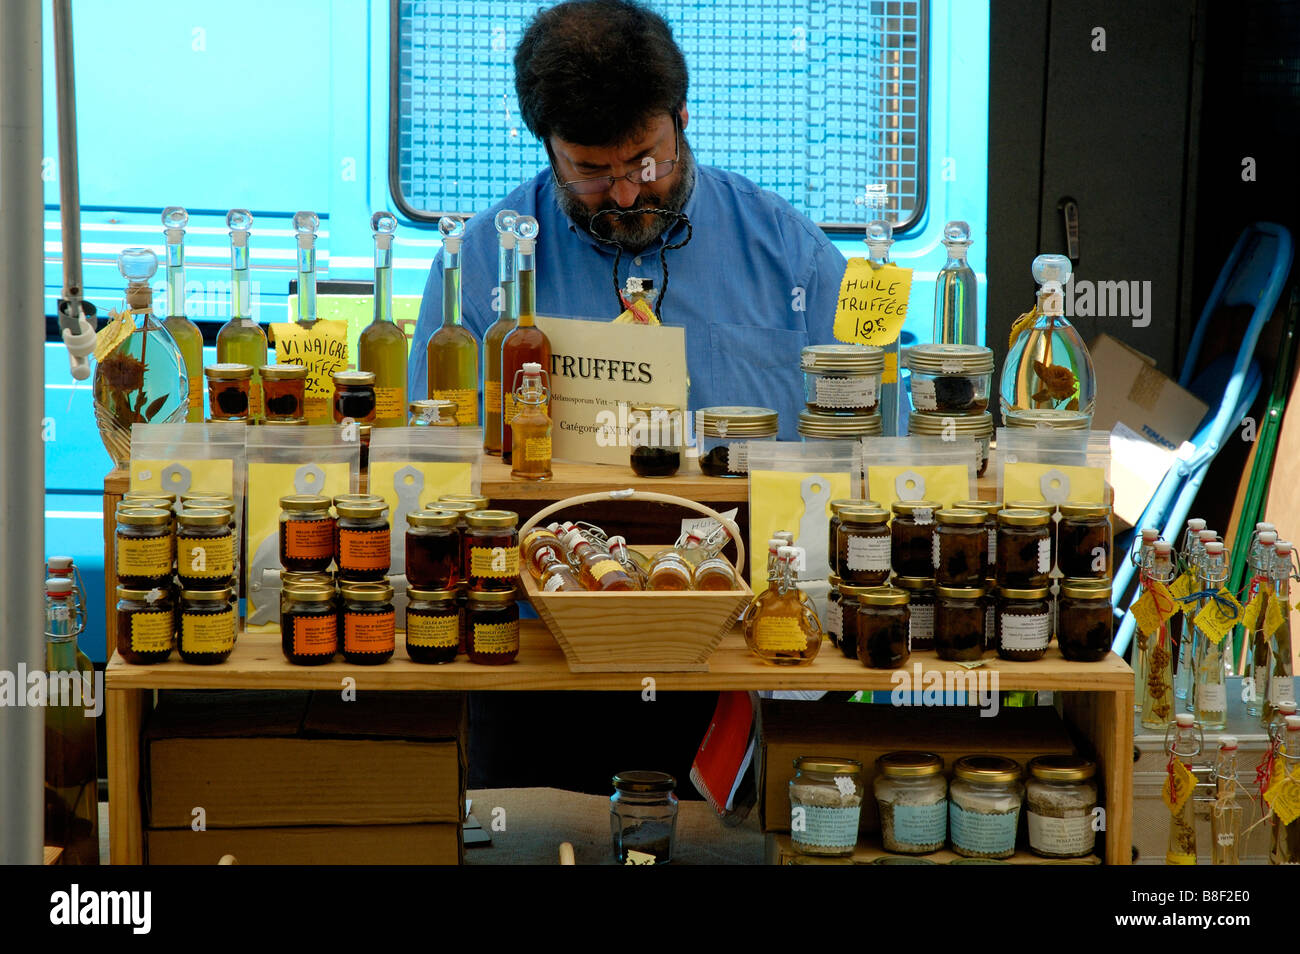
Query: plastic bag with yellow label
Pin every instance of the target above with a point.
(1053, 466)
(920, 468)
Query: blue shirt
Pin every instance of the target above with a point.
(757, 283)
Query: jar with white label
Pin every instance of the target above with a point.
(842, 378)
(912, 800)
(921, 601)
(957, 425)
(1060, 802)
(949, 377)
(1024, 547)
(725, 433)
(990, 510)
(1024, 626)
(912, 546)
(833, 619)
(959, 548)
(862, 549)
(825, 805)
(984, 806)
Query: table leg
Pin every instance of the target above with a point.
(124, 709)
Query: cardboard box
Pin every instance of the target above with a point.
(865, 732)
(339, 845)
(1132, 390)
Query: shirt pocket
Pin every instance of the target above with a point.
(759, 367)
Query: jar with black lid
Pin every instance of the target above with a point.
(1085, 541)
(207, 626)
(833, 529)
(1024, 548)
(205, 549)
(367, 623)
(432, 625)
(309, 623)
(432, 549)
(990, 510)
(850, 600)
(912, 537)
(960, 545)
(354, 396)
(491, 550)
(883, 618)
(959, 623)
(1024, 623)
(492, 627)
(1085, 623)
(146, 624)
(306, 533)
(144, 547)
(862, 550)
(656, 436)
(362, 541)
(921, 601)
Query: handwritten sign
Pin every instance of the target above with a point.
(322, 349)
(873, 303)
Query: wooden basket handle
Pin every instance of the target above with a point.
(643, 495)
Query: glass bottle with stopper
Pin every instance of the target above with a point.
(525, 342)
(453, 352)
(1226, 813)
(1280, 685)
(1047, 364)
(1157, 668)
(1284, 847)
(1141, 641)
(781, 626)
(1184, 741)
(531, 427)
(184, 332)
(880, 237)
(1210, 691)
(241, 340)
(1259, 562)
(505, 303)
(140, 377)
(956, 301)
(382, 346)
(318, 400)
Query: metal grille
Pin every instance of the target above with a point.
(821, 103)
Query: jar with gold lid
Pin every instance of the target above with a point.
(163, 499)
(849, 603)
(433, 412)
(306, 533)
(432, 625)
(883, 619)
(208, 623)
(834, 526)
(725, 433)
(309, 623)
(912, 800)
(921, 601)
(1085, 541)
(959, 623)
(815, 426)
(976, 425)
(228, 391)
(367, 623)
(990, 510)
(492, 627)
(1024, 623)
(842, 378)
(825, 805)
(284, 389)
(478, 500)
(362, 540)
(984, 801)
(354, 396)
(863, 546)
(432, 549)
(144, 547)
(948, 378)
(1085, 623)
(1047, 418)
(1060, 801)
(912, 537)
(960, 545)
(1024, 547)
(205, 548)
(490, 554)
(146, 624)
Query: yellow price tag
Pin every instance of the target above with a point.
(1273, 618)
(117, 330)
(1182, 588)
(873, 303)
(1216, 622)
(1283, 794)
(1155, 606)
(1250, 615)
(1183, 782)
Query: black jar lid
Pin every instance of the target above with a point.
(644, 783)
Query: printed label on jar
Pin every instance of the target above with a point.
(208, 633)
(934, 550)
(782, 634)
(390, 402)
(433, 632)
(835, 619)
(1061, 836)
(494, 562)
(921, 824)
(364, 549)
(1026, 632)
(553, 584)
(990, 624)
(738, 457)
(144, 556)
(993, 547)
(824, 826)
(1211, 697)
(495, 638)
(315, 635)
(369, 632)
(923, 396)
(210, 558)
(466, 405)
(309, 539)
(868, 553)
(602, 567)
(981, 833)
(152, 632)
(537, 448)
(1282, 691)
(1045, 555)
(846, 392)
(923, 516)
(920, 627)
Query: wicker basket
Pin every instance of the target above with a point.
(641, 631)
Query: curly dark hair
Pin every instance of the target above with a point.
(594, 72)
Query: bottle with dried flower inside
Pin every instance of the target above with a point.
(1184, 741)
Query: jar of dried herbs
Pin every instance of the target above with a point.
(825, 805)
(912, 799)
(1060, 799)
(984, 806)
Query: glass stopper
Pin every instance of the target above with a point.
(1052, 268)
(239, 220)
(451, 227)
(304, 222)
(505, 220)
(956, 232)
(526, 227)
(175, 217)
(137, 264)
(880, 231)
(386, 223)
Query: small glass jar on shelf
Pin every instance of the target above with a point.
(354, 396)
(960, 545)
(490, 557)
(990, 509)
(146, 624)
(432, 549)
(1024, 547)
(206, 627)
(825, 805)
(432, 625)
(284, 389)
(862, 550)
(948, 378)
(1085, 541)
(656, 437)
(912, 801)
(815, 426)
(643, 818)
(842, 378)
(309, 623)
(1085, 620)
(921, 601)
(984, 801)
(368, 623)
(1060, 798)
(492, 627)
(228, 392)
(912, 537)
(1024, 623)
(959, 623)
(724, 436)
(205, 549)
(144, 547)
(957, 425)
(362, 540)
(883, 620)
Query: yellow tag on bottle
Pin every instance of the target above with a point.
(1146, 615)
(1215, 620)
(1283, 794)
(119, 328)
(1181, 588)
(872, 304)
(1273, 619)
(1183, 783)
(1250, 615)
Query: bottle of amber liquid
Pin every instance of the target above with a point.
(184, 332)
(781, 627)
(382, 346)
(453, 352)
(596, 568)
(526, 342)
(241, 340)
(506, 305)
(531, 426)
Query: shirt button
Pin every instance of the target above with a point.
(637, 260)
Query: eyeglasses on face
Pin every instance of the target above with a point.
(651, 170)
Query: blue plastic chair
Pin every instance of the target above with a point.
(1254, 275)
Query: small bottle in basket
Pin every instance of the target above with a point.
(781, 626)
(618, 549)
(596, 568)
(555, 573)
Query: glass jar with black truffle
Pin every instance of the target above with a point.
(656, 436)
(309, 623)
(862, 550)
(228, 387)
(432, 549)
(354, 396)
(490, 555)
(306, 533)
(990, 510)
(1084, 541)
(205, 549)
(949, 378)
(1085, 620)
(146, 624)
(1024, 548)
(724, 436)
(960, 545)
(955, 425)
(284, 389)
(1024, 623)
(850, 597)
(959, 623)
(362, 541)
(492, 627)
(921, 600)
(912, 544)
(842, 378)
(144, 547)
(883, 618)
(834, 526)
(432, 625)
(206, 634)
(367, 623)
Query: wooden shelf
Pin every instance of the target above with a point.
(869, 851)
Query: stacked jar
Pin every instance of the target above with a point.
(842, 384)
(724, 436)
(949, 388)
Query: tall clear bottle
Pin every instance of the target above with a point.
(184, 332)
(1210, 691)
(525, 342)
(453, 352)
(1048, 365)
(1141, 640)
(1157, 670)
(1184, 665)
(71, 765)
(1280, 685)
(241, 340)
(1184, 741)
(1259, 561)
(1226, 815)
(318, 399)
(956, 297)
(382, 346)
(1284, 846)
(505, 303)
(880, 238)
